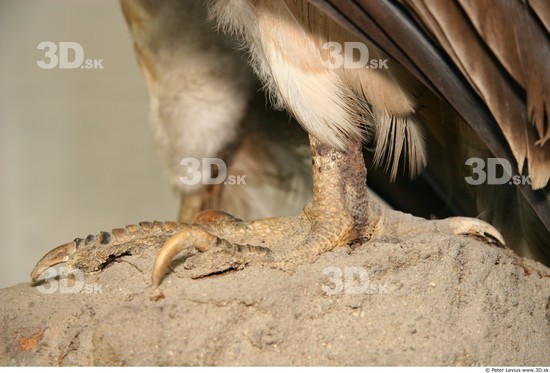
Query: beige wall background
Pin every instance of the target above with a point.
(76, 150)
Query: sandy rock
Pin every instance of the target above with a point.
(431, 300)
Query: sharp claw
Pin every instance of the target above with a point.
(190, 237)
(58, 255)
(461, 225)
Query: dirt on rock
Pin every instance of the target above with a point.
(431, 300)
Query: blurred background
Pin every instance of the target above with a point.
(76, 149)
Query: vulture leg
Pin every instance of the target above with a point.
(341, 211)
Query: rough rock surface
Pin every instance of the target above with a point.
(431, 300)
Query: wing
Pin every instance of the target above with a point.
(488, 60)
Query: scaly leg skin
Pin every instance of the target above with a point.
(341, 211)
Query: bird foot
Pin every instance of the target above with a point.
(218, 242)
(224, 242)
(341, 211)
(230, 244)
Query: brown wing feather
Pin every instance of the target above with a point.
(468, 35)
(523, 49)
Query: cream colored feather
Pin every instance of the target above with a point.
(286, 41)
